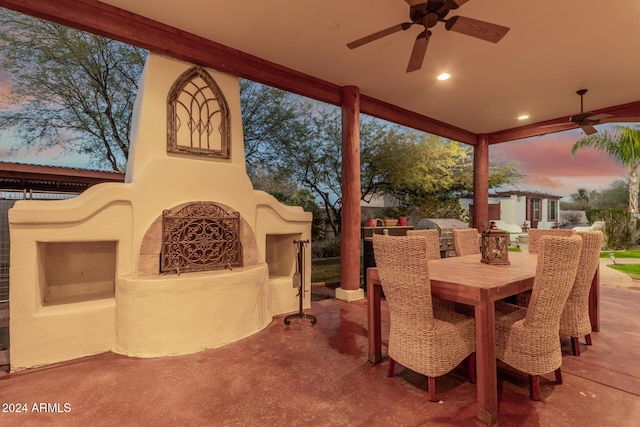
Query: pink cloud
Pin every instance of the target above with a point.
(550, 167)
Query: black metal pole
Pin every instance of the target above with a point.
(300, 270)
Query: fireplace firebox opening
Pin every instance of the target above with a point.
(199, 237)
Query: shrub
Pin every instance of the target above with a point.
(325, 248)
(620, 229)
(593, 215)
(572, 217)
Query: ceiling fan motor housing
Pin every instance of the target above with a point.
(428, 13)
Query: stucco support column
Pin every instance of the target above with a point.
(481, 183)
(350, 228)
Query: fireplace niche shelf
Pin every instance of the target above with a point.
(77, 271)
(281, 255)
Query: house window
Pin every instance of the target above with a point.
(536, 209)
(197, 116)
(552, 210)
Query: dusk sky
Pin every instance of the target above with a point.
(550, 167)
(53, 157)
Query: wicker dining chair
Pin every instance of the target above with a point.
(433, 252)
(575, 321)
(528, 338)
(426, 339)
(466, 241)
(433, 241)
(536, 233)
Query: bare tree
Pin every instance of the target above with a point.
(69, 89)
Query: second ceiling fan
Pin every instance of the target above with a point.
(428, 14)
(586, 120)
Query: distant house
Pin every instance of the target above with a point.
(373, 208)
(514, 209)
(535, 210)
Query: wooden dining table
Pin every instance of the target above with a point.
(467, 280)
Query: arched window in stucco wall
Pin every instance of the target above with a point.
(198, 116)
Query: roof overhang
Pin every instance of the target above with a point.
(552, 49)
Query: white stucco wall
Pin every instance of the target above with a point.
(149, 316)
(513, 210)
(381, 201)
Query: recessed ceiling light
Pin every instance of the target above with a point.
(523, 117)
(444, 76)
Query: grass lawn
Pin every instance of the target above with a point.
(631, 253)
(327, 270)
(632, 270)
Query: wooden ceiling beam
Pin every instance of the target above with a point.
(631, 109)
(408, 118)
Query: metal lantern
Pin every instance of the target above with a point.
(494, 246)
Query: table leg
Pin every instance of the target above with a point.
(487, 384)
(373, 319)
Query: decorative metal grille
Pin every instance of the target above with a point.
(197, 116)
(200, 236)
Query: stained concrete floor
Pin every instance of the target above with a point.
(319, 376)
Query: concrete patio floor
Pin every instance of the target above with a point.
(319, 376)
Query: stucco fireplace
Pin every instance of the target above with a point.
(93, 274)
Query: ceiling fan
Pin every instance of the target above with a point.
(428, 14)
(586, 119)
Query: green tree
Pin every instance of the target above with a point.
(623, 146)
(315, 163)
(615, 196)
(582, 196)
(273, 182)
(412, 166)
(271, 119)
(581, 200)
(418, 167)
(69, 89)
(415, 165)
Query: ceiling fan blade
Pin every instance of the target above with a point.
(612, 119)
(382, 33)
(415, 2)
(581, 117)
(419, 50)
(599, 117)
(476, 28)
(454, 4)
(588, 129)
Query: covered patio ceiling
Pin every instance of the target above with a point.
(553, 49)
